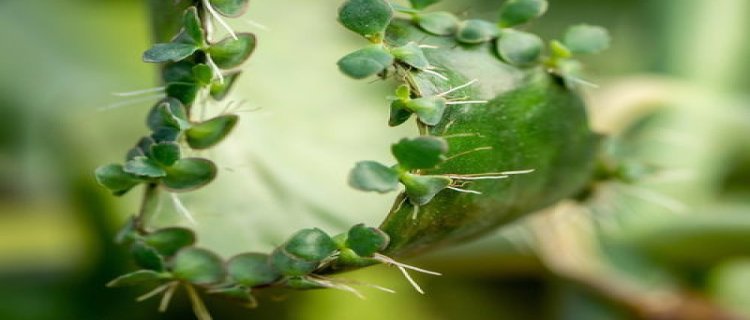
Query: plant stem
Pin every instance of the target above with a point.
(149, 203)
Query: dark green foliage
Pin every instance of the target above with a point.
(366, 62)
(252, 269)
(515, 12)
(519, 48)
(420, 153)
(366, 241)
(438, 23)
(230, 53)
(168, 241)
(373, 176)
(198, 266)
(210, 132)
(368, 18)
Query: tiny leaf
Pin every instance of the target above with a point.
(252, 269)
(189, 173)
(515, 12)
(559, 50)
(230, 8)
(519, 48)
(210, 132)
(163, 52)
(586, 39)
(399, 113)
(366, 241)
(181, 71)
(186, 92)
(423, 152)
(373, 176)
(198, 266)
(369, 18)
(421, 189)
(230, 52)
(310, 244)
(430, 110)
(202, 74)
(146, 256)
(168, 112)
(168, 241)
(421, 4)
(366, 62)
(412, 55)
(136, 278)
(219, 90)
(114, 178)
(438, 23)
(166, 153)
(144, 167)
(290, 265)
(192, 27)
(476, 31)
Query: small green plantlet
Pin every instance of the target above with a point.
(488, 106)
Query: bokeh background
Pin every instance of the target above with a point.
(674, 89)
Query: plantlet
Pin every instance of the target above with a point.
(500, 137)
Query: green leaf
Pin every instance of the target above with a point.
(403, 92)
(127, 232)
(192, 27)
(219, 90)
(423, 152)
(430, 110)
(147, 257)
(230, 52)
(252, 269)
(373, 176)
(163, 52)
(586, 39)
(181, 71)
(168, 241)
(421, 4)
(210, 132)
(515, 12)
(310, 245)
(136, 278)
(366, 62)
(412, 55)
(144, 167)
(476, 31)
(186, 92)
(559, 50)
(114, 178)
(198, 266)
(519, 48)
(366, 241)
(203, 74)
(421, 189)
(369, 18)
(189, 173)
(165, 134)
(290, 265)
(399, 113)
(439, 23)
(166, 153)
(167, 113)
(230, 8)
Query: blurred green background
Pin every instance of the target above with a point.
(678, 69)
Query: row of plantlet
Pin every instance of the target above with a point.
(488, 103)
